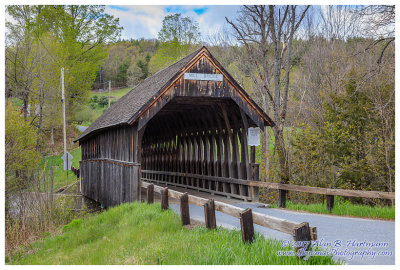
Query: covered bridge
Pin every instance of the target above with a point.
(185, 126)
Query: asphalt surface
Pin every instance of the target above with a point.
(352, 240)
(81, 128)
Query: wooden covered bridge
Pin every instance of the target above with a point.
(186, 125)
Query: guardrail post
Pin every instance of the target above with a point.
(209, 214)
(185, 217)
(164, 198)
(150, 193)
(255, 176)
(282, 198)
(330, 200)
(246, 224)
(302, 237)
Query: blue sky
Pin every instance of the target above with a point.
(145, 21)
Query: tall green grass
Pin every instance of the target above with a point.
(345, 208)
(139, 233)
(61, 177)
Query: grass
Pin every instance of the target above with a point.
(118, 93)
(60, 176)
(139, 233)
(345, 208)
(99, 110)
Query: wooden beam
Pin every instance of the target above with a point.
(246, 224)
(302, 237)
(282, 225)
(164, 198)
(330, 199)
(150, 193)
(209, 214)
(185, 216)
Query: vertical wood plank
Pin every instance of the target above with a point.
(209, 214)
(150, 193)
(302, 235)
(246, 224)
(164, 198)
(330, 200)
(282, 198)
(185, 216)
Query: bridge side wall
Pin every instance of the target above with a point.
(110, 167)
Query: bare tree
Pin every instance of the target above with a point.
(378, 22)
(339, 22)
(264, 31)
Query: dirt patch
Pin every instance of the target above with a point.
(193, 224)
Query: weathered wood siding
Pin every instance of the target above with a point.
(195, 88)
(110, 172)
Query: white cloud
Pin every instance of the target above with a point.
(139, 21)
(146, 21)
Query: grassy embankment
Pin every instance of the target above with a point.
(61, 177)
(345, 208)
(138, 233)
(115, 95)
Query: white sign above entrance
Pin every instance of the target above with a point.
(204, 77)
(254, 136)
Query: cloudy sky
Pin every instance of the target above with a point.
(146, 21)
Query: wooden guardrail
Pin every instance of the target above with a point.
(300, 231)
(328, 192)
(283, 188)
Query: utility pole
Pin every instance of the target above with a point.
(109, 91)
(63, 110)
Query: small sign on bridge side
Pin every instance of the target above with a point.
(254, 136)
(204, 77)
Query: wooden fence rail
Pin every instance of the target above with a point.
(283, 188)
(282, 225)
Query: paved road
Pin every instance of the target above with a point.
(353, 234)
(81, 128)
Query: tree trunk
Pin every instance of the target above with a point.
(52, 137)
(265, 152)
(282, 155)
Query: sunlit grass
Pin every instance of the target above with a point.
(345, 208)
(61, 177)
(118, 93)
(138, 233)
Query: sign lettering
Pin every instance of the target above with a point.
(203, 77)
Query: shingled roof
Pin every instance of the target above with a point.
(128, 107)
(122, 111)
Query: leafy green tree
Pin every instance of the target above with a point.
(178, 29)
(21, 157)
(178, 35)
(122, 73)
(41, 40)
